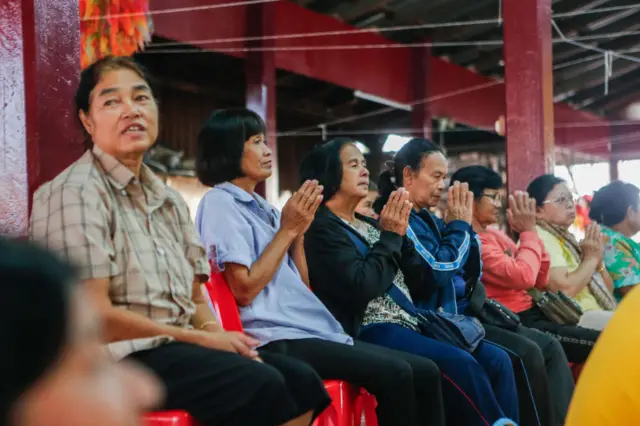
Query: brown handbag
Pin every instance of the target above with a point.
(558, 307)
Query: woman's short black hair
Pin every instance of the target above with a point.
(478, 178)
(221, 144)
(410, 155)
(34, 317)
(610, 204)
(541, 186)
(323, 164)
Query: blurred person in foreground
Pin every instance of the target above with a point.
(53, 367)
(607, 393)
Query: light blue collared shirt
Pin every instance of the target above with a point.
(236, 227)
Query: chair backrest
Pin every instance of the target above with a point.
(223, 302)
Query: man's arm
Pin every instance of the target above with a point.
(121, 324)
(203, 318)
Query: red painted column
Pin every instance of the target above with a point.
(421, 112)
(260, 73)
(529, 90)
(39, 65)
(618, 134)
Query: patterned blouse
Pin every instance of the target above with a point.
(384, 310)
(621, 257)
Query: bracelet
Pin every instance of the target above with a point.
(601, 268)
(206, 323)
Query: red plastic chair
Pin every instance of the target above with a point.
(168, 418)
(365, 408)
(341, 411)
(576, 369)
(348, 402)
(223, 303)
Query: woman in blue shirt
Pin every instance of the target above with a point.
(260, 252)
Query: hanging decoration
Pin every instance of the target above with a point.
(582, 213)
(113, 27)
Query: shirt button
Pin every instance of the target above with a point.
(123, 192)
(161, 252)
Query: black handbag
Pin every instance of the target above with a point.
(461, 331)
(489, 311)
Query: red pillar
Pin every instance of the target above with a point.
(421, 112)
(260, 72)
(618, 133)
(39, 65)
(529, 90)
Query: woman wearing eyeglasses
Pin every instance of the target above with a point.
(576, 269)
(511, 271)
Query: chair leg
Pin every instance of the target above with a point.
(340, 413)
(365, 409)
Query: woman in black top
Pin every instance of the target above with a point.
(353, 262)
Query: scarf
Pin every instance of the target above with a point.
(597, 286)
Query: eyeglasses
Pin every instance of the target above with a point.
(495, 197)
(564, 199)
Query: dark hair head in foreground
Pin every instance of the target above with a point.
(53, 364)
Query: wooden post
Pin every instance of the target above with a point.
(39, 133)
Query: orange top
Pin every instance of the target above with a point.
(509, 270)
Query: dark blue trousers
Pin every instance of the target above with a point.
(478, 388)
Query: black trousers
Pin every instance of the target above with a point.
(222, 388)
(407, 387)
(576, 341)
(544, 380)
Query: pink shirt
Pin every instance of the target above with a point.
(509, 270)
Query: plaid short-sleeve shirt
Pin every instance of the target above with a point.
(137, 233)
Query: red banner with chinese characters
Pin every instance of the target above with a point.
(113, 27)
